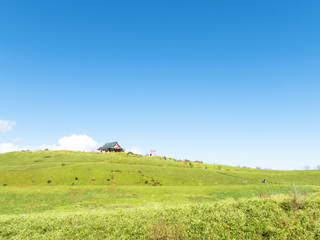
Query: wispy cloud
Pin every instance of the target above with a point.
(74, 142)
(8, 147)
(17, 139)
(6, 125)
(135, 150)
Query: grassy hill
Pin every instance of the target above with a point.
(120, 169)
(119, 195)
(66, 180)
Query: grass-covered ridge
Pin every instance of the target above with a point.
(79, 195)
(119, 169)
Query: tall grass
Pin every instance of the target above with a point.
(17, 200)
(242, 219)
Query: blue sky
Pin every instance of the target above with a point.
(228, 82)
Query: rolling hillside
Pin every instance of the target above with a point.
(66, 180)
(68, 168)
(79, 195)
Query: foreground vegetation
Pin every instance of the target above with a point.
(242, 219)
(24, 200)
(77, 195)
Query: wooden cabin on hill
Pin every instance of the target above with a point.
(111, 147)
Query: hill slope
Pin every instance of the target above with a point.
(43, 181)
(121, 169)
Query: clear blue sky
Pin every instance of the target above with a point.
(229, 82)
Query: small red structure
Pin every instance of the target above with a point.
(111, 147)
(153, 151)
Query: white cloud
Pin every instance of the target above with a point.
(6, 125)
(8, 147)
(40, 147)
(77, 143)
(74, 142)
(135, 150)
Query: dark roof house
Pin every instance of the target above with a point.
(111, 147)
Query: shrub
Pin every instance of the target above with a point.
(165, 230)
(298, 195)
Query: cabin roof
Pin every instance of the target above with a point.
(110, 145)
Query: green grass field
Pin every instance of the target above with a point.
(77, 195)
